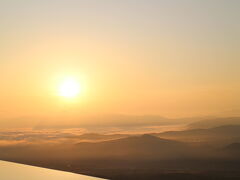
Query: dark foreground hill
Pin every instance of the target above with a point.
(136, 147)
(136, 157)
(233, 150)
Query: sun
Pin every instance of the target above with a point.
(69, 88)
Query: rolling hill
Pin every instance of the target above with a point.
(214, 122)
(223, 134)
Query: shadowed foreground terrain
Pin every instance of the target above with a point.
(212, 153)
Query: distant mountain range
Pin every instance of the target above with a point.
(224, 134)
(214, 122)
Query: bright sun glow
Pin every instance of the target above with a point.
(69, 88)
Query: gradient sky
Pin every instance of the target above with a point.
(170, 58)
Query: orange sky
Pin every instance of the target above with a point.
(145, 58)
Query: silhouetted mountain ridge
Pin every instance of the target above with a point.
(144, 146)
(214, 122)
(226, 133)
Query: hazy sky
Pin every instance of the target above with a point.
(165, 57)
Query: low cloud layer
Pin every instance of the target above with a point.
(23, 136)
